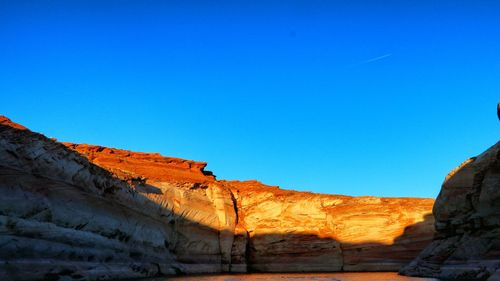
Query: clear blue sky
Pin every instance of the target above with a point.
(346, 97)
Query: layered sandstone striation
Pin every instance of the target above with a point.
(301, 231)
(62, 216)
(81, 211)
(136, 166)
(467, 212)
(265, 228)
(203, 222)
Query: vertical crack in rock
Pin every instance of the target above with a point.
(239, 248)
(342, 258)
(226, 214)
(235, 205)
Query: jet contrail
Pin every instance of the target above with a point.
(374, 59)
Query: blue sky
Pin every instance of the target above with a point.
(346, 97)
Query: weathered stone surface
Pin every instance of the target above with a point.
(277, 230)
(467, 212)
(138, 166)
(300, 231)
(62, 216)
(203, 226)
(100, 213)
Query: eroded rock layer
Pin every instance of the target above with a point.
(264, 228)
(300, 231)
(90, 212)
(467, 212)
(62, 216)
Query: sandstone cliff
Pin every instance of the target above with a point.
(300, 231)
(467, 212)
(82, 211)
(62, 216)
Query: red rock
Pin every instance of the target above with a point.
(151, 166)
(7, 122)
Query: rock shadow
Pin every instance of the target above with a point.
(289, 252)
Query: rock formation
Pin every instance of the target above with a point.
(467, 212)
(80, 211)
(300, 231)
(62, 216)
(202, 220)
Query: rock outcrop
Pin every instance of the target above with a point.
(467, 212)
(300, 231)
(203, 218)
(63, 217)
(81, 211)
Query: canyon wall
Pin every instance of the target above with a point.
(301, 231)
(80, 211)
(64, 217)
(467, 212)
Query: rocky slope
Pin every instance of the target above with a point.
(62, 216)
(467, 212)
(203, 222)
(90, 212)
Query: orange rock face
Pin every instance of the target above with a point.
(142, 214)
(151, 166)
(301, 231)
(7, 122)
(282, 230)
